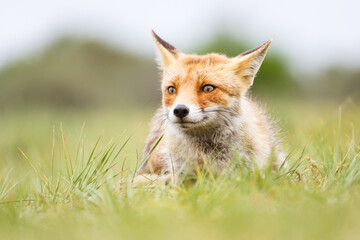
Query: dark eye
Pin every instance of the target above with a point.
(208, 88)
(171, 90)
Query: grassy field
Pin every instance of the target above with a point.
(57, 182)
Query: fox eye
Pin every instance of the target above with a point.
(171, 90)
(208, 88)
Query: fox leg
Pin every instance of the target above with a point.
(152, 179)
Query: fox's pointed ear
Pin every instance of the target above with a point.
(247, 64)
(168, 52)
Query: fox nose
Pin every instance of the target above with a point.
(181, 111)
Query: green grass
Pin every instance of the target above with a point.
(57, 181)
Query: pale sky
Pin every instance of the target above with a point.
(313, 34)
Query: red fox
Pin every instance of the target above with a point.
(206, 111)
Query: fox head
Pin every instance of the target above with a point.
(197, 91)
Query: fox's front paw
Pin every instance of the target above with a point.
(151, 180)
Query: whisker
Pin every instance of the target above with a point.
(219, 111)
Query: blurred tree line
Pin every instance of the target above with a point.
(79, 74)
(88, 74)
(335, 83)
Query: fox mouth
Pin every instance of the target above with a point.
(190, 124)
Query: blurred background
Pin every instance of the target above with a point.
(93, 61)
